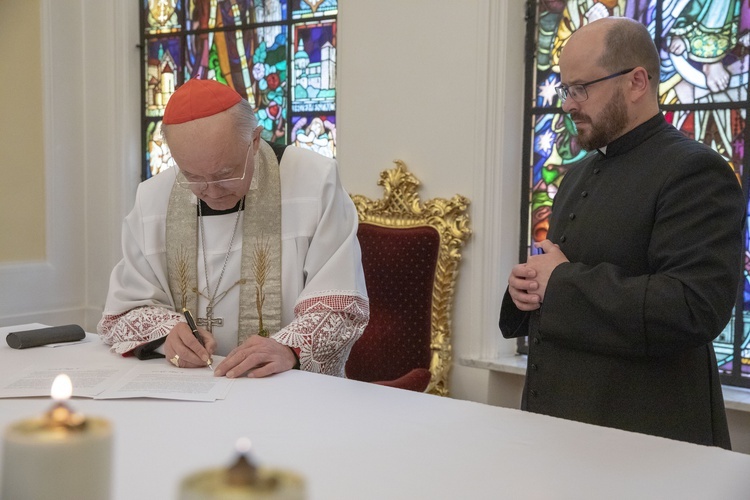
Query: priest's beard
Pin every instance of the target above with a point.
(607, 127)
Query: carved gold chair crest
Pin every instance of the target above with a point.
(410, 255)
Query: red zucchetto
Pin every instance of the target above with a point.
(199, 99)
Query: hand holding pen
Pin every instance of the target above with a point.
(196, 333)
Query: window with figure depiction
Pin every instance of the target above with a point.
(704, 51)
(280, 55)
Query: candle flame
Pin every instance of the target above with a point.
(62, 388)
(243, 445)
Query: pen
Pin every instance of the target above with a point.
(191, 324)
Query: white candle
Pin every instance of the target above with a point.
(59, 455)
(243, 481)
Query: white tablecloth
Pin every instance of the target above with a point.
(357, 441)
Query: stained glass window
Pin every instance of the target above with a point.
(704, 51)
(280, 55)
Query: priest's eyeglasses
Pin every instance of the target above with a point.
(578, 92)
(185, 182)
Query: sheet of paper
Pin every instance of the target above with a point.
(37, 380)
(85, 339)
(142, 380)
(5, 330)
(137, 379)
(163, 381)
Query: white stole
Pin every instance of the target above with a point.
(261, 237)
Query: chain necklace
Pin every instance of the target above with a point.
(209, 321)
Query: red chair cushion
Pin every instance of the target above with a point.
(399, 266)
(416, 380)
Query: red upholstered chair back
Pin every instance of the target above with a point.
(410, 255)
(399, 265)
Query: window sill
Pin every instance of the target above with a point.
(735, 398)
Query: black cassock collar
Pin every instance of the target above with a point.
(635, 137)
(206, 210)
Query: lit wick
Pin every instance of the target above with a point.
(245, 473)
(60, 416)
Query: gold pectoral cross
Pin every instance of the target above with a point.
(209, 321)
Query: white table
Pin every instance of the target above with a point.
(358, 441)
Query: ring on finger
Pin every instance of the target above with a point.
(175, 360)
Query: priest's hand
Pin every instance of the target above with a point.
(189, 351)
(260, 356)
(522, 288)
(542, 265)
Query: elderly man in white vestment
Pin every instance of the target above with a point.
(263, 252)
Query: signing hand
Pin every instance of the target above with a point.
(260, 356)
(190, 352)
(544, 264)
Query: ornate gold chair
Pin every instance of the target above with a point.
(410, 255)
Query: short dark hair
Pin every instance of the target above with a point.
(628, 44)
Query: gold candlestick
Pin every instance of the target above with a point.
(243, 481)
(59, 455)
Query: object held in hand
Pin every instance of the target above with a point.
(194, 329)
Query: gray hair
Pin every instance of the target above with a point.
(244, 118)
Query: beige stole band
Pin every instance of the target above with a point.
(260, 288)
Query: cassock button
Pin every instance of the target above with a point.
(536, 340)
(533, 366)
(533, 392)
(596, 171)
(563, 238)
(572, 216)
(584, 194)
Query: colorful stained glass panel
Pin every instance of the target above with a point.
(247, 45)
(314, 67)
(316, 133)
(158, 157)
(544, 91)
(268, 11)
(303, 9)
(208, 14)
(162, 16)
(703, 51)
(269, 78)
(163, 65)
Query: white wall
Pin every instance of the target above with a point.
(439, 86)
(112, 148)
(54, 289)
(92, 150)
